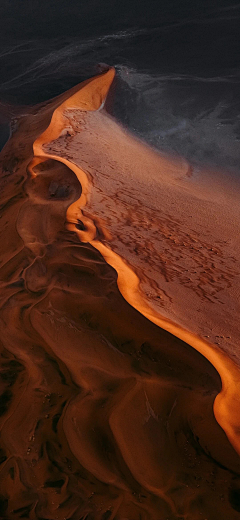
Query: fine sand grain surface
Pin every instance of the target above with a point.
(120, 281)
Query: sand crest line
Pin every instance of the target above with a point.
(90, 97)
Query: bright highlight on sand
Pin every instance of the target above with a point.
(119, 273)
(91, 97)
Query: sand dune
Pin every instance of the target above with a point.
(119, 273)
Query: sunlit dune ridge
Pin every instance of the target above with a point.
(91, 97)
(108, 385)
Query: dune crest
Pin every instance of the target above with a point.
(91, 97)
(107, 392)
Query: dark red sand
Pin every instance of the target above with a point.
(119, 274)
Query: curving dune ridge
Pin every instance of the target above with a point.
(116, 264)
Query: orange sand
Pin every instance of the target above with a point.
(110, 395)
(91, 97)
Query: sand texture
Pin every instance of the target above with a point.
(120, 281)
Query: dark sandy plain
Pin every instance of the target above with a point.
(119, 323)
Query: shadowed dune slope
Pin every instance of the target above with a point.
(113, 405)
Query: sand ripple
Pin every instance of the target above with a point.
(106, 405)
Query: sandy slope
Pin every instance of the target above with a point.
(108, 396)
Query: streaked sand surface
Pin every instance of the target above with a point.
(119, 318)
